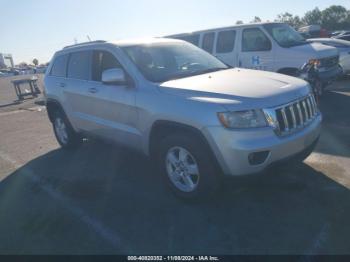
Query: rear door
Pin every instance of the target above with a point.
(256, 50)
(208, 42)
(226, 49)
(76, 89)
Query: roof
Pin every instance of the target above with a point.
(144, 41)
(225, 27)
(126, 42)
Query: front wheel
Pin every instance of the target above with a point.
(187, 167)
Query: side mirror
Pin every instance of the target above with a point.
(113, 76)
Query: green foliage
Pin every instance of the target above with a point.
(35, 61)
(256, 19)
(335, 17)
(290, 19)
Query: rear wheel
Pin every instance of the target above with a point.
(64, 132)
(187, 167)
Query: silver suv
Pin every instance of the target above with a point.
(195, 116)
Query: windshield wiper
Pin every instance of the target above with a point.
(296, 43)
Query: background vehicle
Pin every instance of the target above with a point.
(343, 49)
(343, 37)
(313, 31)
(341, 32)
(197, 117)
(266, 46)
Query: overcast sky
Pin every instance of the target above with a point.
(37, 28)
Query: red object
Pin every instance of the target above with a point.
(324, 33)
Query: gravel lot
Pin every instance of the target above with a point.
(103, 199)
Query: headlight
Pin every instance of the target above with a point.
(243, 119)
(315, 62)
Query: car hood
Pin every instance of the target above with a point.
(316, 50)
(239, 88)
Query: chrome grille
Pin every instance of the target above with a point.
(329, 61)
(292, 117)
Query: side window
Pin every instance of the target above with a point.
(255, 40)
(226, 41)
(59, 66)
(101, 61)
(208, 42)
(79, 65)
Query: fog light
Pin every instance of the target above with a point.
(258, 158)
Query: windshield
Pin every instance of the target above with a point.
(166, 61)
(285, 35)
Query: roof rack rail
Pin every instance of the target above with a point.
(85, 43)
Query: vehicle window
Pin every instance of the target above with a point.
(163, 62)
(79, 65)
(255, 40)
(226, 41)
(208, 42)
(101, 61)
(285, 35)
(191, 38)
(59, 66)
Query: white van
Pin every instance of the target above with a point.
(273, 47)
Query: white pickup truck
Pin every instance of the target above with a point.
(275, 47)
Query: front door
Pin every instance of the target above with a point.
(103, 110)
(256, 50)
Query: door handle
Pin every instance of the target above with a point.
(62, 84)
(92, 90)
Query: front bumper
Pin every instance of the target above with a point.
(330, 75)
(232, 148)
(324, 76)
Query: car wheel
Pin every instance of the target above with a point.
(64, 132)
(187, 167)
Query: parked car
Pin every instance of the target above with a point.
(341, 32)
(313, 31)
(343, 37)
(6, 72)
(343, 49)
(273, 47)
(195, 116)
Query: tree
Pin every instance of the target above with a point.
(290, 19)
(256, 19)
(35, 61)
(335, 17)
(313, 17)
(239, 22)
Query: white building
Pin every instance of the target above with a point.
(6, 61)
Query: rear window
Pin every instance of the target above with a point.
(79, 65)
(226, 41)
(59, 66)
(208, 42)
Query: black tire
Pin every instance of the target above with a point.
(73, 139)
(209, 178)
